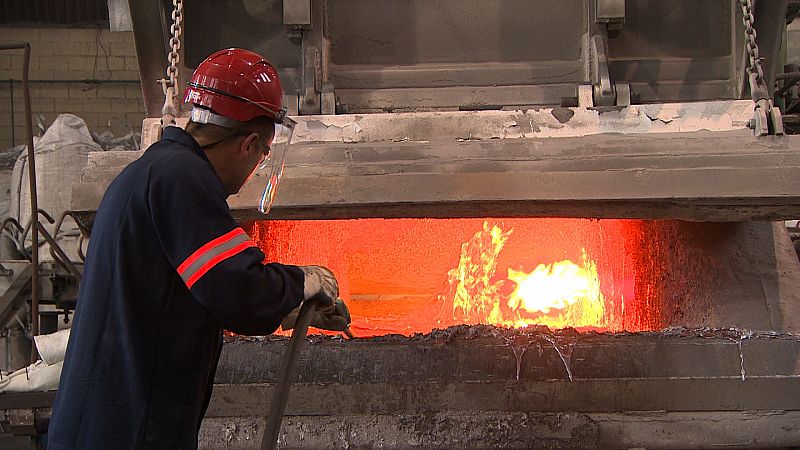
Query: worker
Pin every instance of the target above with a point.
(168, 268)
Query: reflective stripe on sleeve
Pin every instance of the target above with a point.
(212, 253)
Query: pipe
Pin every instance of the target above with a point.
(14, 236)
(32, 184)
(81, 255)
(787, 75)
(13, 125)
(28, 228)
(288, 372)
(59, 256)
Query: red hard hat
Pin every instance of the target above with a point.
(237, 84)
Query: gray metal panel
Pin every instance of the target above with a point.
(297, 12)
(92, 13)
(677, 91)
(455, 98)
(255, 25)
(678, 69)
(657, 29)
(679, 50)
(401, 32)
(258, 26)
(454, 44)
(548, 73)
(389, 55)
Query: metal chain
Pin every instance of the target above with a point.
(766, 117)
(750, 36)
(169, 84)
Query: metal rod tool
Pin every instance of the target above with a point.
(288, 372)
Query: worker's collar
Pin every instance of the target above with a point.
(185, 139)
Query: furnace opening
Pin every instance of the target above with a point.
(409, 276)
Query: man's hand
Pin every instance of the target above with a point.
(335, 319)
(321, 285)
(320, 280)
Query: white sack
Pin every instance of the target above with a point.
(61, 154)
(37, 377)
(52, 347)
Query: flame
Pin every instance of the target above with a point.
(559, 294)
(474, 295)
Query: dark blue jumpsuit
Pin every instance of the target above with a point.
(167, 269)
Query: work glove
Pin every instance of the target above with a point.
(320, 280)
(336, 319)
(332, 313)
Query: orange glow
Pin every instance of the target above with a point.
(406, 276)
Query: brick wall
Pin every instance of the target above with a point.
(62, 60)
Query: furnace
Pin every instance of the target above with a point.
(638, 251)
(557, 224)
(427, 229)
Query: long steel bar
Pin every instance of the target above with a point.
(32, 184)
(11, 104)
(288, 373)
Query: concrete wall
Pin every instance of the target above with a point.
(92, 73)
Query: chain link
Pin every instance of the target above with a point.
(169, 84)
(750, 37)
(174, 56)
(766, 117)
